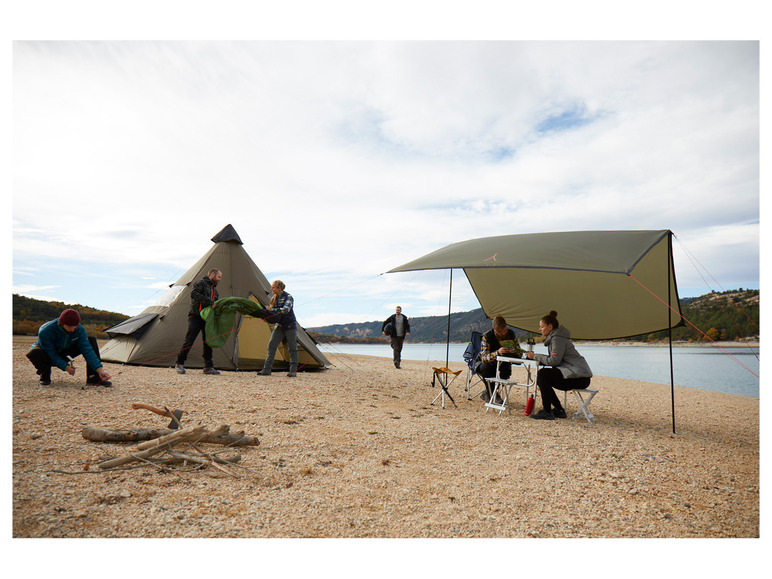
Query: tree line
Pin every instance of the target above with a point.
(29, 314)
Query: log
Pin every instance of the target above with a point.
(157, 447)
(220, 436)
(97, 434)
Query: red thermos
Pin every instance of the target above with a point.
(529, 405)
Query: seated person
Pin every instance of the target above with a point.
(65, 338)
(569, 370)
(499, 341)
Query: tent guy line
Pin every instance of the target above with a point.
(716, 344)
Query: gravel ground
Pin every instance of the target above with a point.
(359, 451)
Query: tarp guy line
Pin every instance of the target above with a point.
(695, 327)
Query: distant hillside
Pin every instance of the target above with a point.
(730, 315)
(29, 314)
(428, 330)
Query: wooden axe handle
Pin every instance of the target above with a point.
(160, 411)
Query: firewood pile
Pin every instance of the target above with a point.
(167, 449)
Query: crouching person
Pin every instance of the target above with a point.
(58, 342)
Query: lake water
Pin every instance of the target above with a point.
(705, 368)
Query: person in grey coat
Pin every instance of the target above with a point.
(568, 370)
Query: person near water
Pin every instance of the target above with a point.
(398, 327)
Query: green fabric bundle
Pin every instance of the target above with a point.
(219, 320)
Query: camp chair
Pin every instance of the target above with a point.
(579, 396)
(471, 357)
(442, 376)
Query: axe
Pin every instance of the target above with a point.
(174, 415)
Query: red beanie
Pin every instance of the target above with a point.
(69, 317)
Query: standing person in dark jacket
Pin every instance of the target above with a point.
(286, 327)
(399, 329)
(204, 294)
(61, 340)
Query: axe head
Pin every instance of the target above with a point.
(176, 419)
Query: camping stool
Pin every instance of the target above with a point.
(443, 377)
(584, 403)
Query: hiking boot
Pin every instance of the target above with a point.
(292, 374)
(543, 415)
(559, 412)
(45, 381)
(211, 371)
(264, 372)
(180, 368)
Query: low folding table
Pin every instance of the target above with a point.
(502, 386)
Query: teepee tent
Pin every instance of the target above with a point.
(154, 337)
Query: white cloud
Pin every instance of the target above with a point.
(338, 161)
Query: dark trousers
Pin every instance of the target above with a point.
(43, 363)
(550, 379)
(396, 345)
(196, 326)
(489, 371)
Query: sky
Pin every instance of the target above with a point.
(337, 160)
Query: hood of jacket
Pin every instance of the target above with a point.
(559, 332)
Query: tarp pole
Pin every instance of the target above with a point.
(450, 296)
(669, 325)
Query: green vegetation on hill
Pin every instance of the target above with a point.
(29, 314)
(731, 315)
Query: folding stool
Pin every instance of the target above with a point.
(584, 403)
(443, 377)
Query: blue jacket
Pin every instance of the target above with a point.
(54, 340)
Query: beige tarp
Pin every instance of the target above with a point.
(603, 284)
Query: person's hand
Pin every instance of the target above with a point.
(70, 370)
(103, 374)
(214, 305)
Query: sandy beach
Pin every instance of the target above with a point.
(359, 451)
